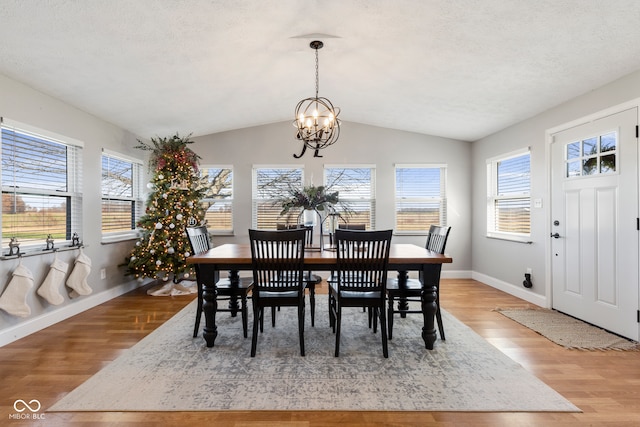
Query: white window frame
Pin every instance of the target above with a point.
(226, 200)
(440, 200)
(493, 197)
(279, 193)
(362, 200)
(135, 199)
(73, 191)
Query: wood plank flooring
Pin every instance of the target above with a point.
(52, 362)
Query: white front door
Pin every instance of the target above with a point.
(594, 215)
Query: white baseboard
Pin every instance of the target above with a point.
(516, 291)
(45, 320)
(455, 274)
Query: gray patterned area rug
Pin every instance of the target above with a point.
(171, 371)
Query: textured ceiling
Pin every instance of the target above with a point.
(455, 68)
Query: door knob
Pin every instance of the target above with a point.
(555, 235)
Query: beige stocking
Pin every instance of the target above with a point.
(14, 297)
(50, 288)
(78, 278)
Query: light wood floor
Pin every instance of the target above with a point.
(52, 362)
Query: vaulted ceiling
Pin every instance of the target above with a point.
(454, 68)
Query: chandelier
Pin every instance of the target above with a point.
(316, 118)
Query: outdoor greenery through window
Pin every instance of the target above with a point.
(41, 186)
(420, 197)
(270, 185)
(592, 156)
(509, 201)
(356, 187)
(218, 203)
(121, 204)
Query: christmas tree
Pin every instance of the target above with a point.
(173, 204)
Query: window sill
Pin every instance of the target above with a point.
(117, 238)
(510, 238)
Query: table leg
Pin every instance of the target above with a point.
(429, 312)
(429, 299)
(209, 305)
(234, 280)
(403, 305)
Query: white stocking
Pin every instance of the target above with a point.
(50, 288)
(14, 297)
(78, 278)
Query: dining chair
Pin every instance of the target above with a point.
(352, 226)
(362, 258)
(412, 291)
(277, 258)
(311, 279)
(226, 290)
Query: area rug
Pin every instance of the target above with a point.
(171, 371)
(568, 331)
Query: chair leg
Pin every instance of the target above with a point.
(312, 303)
(332, 318)
(244, 315)
(301, 326)
(257, 315)
(383, 330)
(337, 327)
(273, 316)
(196, 328)
(439, 320)
(390, 318)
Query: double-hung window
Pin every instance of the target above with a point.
(421, 199)
(41, 186)
(270, 185)
(356, 192)
(218, 202)
(508, 196)
(121, 195)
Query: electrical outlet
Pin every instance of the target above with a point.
(528, 271)
(103, 273)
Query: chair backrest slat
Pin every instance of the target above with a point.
(198, 239)
(362, 259)
(278, 259)
(437, 238)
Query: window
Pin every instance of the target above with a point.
(420, 197)
(592, 156)
(218, 203)
(270, 184)
(121, 194)
(356, 187)
(41, 185)
(509, 202)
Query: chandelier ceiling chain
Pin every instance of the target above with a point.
(316, 118)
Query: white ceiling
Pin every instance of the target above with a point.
(455, 68)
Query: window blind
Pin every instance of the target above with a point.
(420, 197)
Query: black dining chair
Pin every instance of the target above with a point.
(278, 276)
(412, 291)
(362, 258)
(225, 290)
(311, 279)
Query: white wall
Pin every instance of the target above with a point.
(358, 144)
(25, 105)
(501, 263)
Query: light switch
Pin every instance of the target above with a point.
(537, 203)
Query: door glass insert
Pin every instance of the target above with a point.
(592, 156)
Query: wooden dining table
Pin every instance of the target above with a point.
(237, 257)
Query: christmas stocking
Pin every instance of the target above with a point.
(50, 288)
(78, 278)
(14, 297)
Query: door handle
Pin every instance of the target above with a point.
(555, 235)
